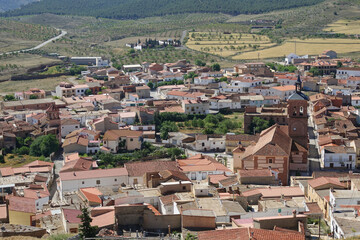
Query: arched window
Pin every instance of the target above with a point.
(301, 110)
(294, 112)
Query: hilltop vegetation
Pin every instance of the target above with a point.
(6, 5)
(131, 9)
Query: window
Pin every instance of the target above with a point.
(270, 160)
(301, 110)
(97, 181)
(184, 188)
(350, 158)
(331, 165)
(83, 182)
(131, 139)
(115, 179)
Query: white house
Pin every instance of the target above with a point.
(289, 58)
(203, 80)
(346, 72)
(205, 143)
(73, 181)
(198, 167)
(338, 157)
(69, 125)
(242, 84)
(195, 106)
(355, 100)
(334, 89)
(282, 91)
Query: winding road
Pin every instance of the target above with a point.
(63, 33)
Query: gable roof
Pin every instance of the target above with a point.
(201, 162)
(71, 215)
(323, 181)
(140, 168)
(250, 233)
(99, 173)
(22, 204)
(113, 135)
(273, 141)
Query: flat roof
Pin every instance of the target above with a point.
(175, 183)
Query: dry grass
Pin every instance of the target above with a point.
(309, 46)
(226, 45)
(18, 86)
(13, 160)
(11, 44)
(344, 26)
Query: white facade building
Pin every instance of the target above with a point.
(338, 157)
(346, 72)
(73, 181)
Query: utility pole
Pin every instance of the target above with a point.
(295, 46)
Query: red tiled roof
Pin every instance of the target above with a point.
(169, 199)
(92, 194)
(250, 233)
(254, 173)
(99, 173)
(318, 182)
(22, 204)
(39, 163)
(201, 162)
(71, 215)
(275, 192)
(116, 134)
(215, 178)
(137, 169)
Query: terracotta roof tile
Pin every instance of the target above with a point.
(318, 182)
(140, 168)
(99, 173)
(71, 215)
(250, 233)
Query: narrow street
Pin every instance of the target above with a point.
(313, 157)
(58, 163)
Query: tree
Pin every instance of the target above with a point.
(85, 228)
(88, 92)
(44, 145)
(9, 97)
(150, 85)
(314, 71)
(167, 127)
(339, 64)
(200, 63)
(258, 124)
(137, 120)
(215, 67)
(2, 159)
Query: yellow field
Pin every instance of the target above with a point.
(226, 45)
(344, 26)
(309, 46)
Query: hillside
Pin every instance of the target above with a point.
(6, 5)
(132, 9)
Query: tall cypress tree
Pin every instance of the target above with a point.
(85, 229)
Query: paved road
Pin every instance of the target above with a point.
(58, 163)
(314, 157)
(63, 33)
(183, 35)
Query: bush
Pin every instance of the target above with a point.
(2, 159)
(23, 150)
